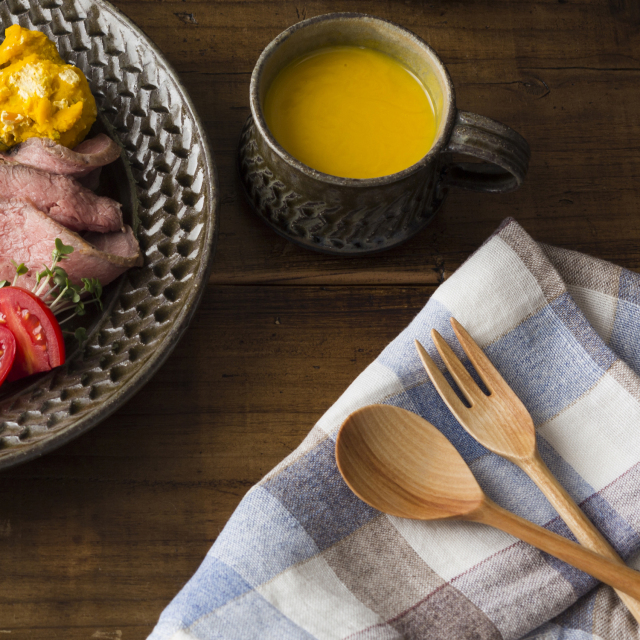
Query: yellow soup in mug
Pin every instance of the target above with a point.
(351, 112)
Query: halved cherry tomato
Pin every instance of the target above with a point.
(39, 342)
(7, 352)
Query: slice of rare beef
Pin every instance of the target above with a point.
(47, 155)
(28, 235)
(63, 198)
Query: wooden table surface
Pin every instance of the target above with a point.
(97, 537)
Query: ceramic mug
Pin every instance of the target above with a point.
(357, 216)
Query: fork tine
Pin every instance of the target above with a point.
(439, 382)
(489, 374)
(465, 382)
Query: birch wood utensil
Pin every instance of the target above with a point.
(502, 424)
(401, 464)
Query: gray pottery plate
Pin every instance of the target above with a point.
(167, 183)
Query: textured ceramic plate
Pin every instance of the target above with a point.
(168, 185)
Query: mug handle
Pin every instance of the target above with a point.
(504, 151)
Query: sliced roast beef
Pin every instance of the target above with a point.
(28, 235)
(47, 155)
(63, 198)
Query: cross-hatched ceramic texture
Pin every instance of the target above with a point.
(173, 183)
(328, 227)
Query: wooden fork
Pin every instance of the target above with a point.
(501, 423)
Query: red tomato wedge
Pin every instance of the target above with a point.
(7, 352)
(39, 342)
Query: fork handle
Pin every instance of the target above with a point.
(581, 527)
(604, 569)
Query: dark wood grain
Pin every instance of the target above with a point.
(101, 534)
(97, 537)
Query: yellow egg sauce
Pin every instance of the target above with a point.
(40, 94)
(351, 112)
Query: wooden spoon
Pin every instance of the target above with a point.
(399, 463)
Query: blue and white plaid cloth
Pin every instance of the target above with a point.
(303, 558)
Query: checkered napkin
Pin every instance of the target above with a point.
(303, 558)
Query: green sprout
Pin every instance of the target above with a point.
(21, 270)
(70, 296)
(58, 292)
(81, 335)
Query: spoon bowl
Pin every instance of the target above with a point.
(392, 460)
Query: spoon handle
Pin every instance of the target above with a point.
(581, 527)
(617, 575)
